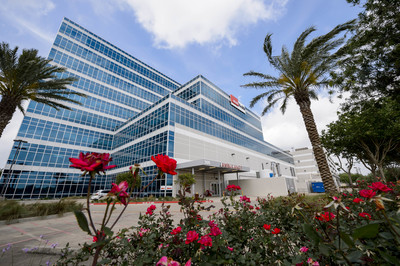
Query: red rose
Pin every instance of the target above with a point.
(120, 191)
(245, 199)
(191, 236)
(367, 193)
(215, 231)
(212, 223)
(365, 215)
(357, 200)
(150, 209)
(276, 231)
(92, 162)
(267, 226)
(176, 230)
(325, 217)
(205, 241)
(165, 164)
(380, 186)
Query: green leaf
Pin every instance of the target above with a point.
(366, 231)
(82, 221)
(309, 230)
(108, 231)
(392, 260)
(386, 235)
(355, 256)
(325, 250)
(346, 239)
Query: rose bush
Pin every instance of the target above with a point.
(359, 227)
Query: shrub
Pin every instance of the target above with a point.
(361, 227)
(345, 229)
(10, 209)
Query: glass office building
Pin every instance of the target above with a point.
(131, 111)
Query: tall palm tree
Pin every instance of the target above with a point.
(301, 73)
(30, 77)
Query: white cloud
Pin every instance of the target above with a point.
(176, 23)
(288, 130)
(9, 134)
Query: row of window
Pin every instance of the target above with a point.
(35, 184)
(32, 184)
(103, 106)
(42, 155)
(190, 92)
(216, 112)
(93, 72)
(119, 57)
(214, 96)
(76, 116)
(193, 120)
(151, 122)
(51, 131)
(101, 62)
(130, 99)
(223, 116)
(141, 151)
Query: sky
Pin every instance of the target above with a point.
(219, 39)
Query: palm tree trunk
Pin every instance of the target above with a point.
(319, 154)
(7, 109)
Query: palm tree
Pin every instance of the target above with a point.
(30, 77)
(301, 73)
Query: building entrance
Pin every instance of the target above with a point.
(214, 187)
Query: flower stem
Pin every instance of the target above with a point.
(105, 215)
(390, 224)
(92, 174)
(109, 216)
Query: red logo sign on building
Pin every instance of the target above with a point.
(234, 100)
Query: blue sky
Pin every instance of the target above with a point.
(220, 39)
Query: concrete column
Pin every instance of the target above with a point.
(219, 183)
(193, 184)
(204, 181)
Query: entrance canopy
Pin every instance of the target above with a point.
(209, 166)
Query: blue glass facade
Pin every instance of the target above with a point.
(131, 111)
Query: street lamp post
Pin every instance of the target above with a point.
(5, 185)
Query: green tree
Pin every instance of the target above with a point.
(300, 74)
(370, 63)
(348, 179)
(186, 180)
(369, 131)
(128, 177)
(30, 77)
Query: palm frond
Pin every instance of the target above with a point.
(262, 85)
(269, 106)
(316, 43)
(260, 75)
